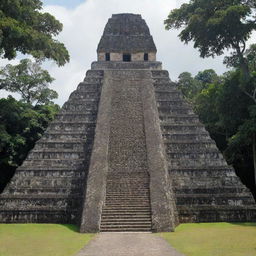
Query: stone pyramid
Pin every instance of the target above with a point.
(126, 152)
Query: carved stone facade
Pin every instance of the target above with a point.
(126, 152)
(116, 56)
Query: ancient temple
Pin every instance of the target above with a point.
(126, 152)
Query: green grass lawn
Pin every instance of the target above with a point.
(41, 240)
(214, 239)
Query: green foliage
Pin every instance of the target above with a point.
(228, 114)
(187, 84)
(21, 126)
(191, 86)
(29, 80)
(215, 25)
(26, 29)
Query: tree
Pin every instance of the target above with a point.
(21, 125)
(206, 77)
(230, 119)
(26, 29)
(191, 86)
(187, 84)
(216, 26)
(29, 80)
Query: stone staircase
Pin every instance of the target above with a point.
(127, 204)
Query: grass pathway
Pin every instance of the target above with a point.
(41, 240)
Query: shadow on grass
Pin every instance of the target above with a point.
(72, 227)
(245, 224)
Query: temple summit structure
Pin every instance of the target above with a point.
(126, 151)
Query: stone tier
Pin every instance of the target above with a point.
(49, 186)
(206, 188)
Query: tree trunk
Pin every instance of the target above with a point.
(245, 69)
(254, 155)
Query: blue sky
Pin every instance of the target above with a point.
(66, 3)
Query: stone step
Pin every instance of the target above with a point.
(203, 154)
(80, 98)
(76, 117)
(197, 162)
(128, 203)
(34, 155)
(124, 193)
(132, 229)
(225, 208)
(182, 110)
(71, 127)
(116, 218)
(66, 148)
(126, 215)
(125, 225)
(48, 191)
(53, 146)
(191, 147)
(130, 192)
(182, 128)
(95, 73)
(213, 200)
(128, 207)
(72, 163)
(189, 137)
(211, 172)
(208, 181)
(166, 87)
(130, 198)
(213, 190)
(125, 185)
(68, 136)
(181, 119)
(85, 101)
(38, 217)
(173, 104)
(93, 80)
(90, 96)
(77, 107)
(46, 181)
(161, 80)
(106, 220)
(170, 103)
(87, 87)
(160, 73)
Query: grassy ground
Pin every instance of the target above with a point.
(214, 239)
(40, 240)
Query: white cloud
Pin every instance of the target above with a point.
(83, 27)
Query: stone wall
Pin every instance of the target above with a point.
(134, 56)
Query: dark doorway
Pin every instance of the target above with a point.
(107, 56)
(127, 57)
(145, 56)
